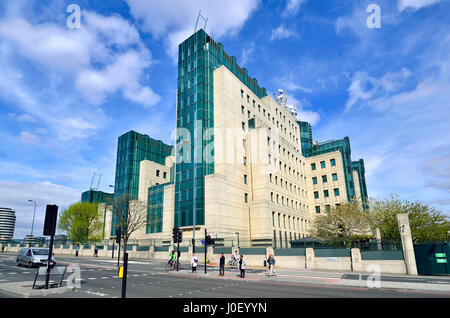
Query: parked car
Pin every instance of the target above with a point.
(29, 256)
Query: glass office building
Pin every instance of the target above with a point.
(198, 57)
(131, 150)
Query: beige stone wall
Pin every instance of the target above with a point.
(330, 201)
(148, 176)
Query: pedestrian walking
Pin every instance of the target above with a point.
(271, 262)
(194, 261)
(77, 249)
(222, 265)
(242, 264)
(235, 258)
(96, 251)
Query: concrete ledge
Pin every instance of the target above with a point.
(397, 285)
(24, 289)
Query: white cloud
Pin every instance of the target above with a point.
(175, 20)
(281, 33)
(15, 195)
(28, 138)
(415, 4)
(247, 53)
(104, 56)
(292, 7)
(364, 87)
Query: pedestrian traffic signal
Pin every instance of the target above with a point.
(180, 236)
(175, 234)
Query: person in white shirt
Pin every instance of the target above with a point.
(194, 261)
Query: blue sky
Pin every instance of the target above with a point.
(67, 94)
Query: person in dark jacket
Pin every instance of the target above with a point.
(222, 265)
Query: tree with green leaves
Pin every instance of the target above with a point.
(426, 222)
(342, 224)
(82, 222)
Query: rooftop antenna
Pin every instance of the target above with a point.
(99, 181)
(204, 19)
(92, 181)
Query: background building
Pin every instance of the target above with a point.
(7, 223)
(95, 196)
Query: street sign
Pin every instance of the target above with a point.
(440, 255)
(441, 260)
(203, 242)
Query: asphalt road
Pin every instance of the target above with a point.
(149, 279)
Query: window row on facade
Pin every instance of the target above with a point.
(323, 164)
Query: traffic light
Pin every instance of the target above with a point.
(208, 239)
(180, 236)
(175, 234)
(51, 214)
(118, 235)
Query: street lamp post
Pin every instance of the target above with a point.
(34, 213)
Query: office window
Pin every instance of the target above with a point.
(336, 192)
(242, 109)
(334, 175)
(157, 173)
(313, 166)
(245, 179)
(317, 209)
(325, 193)
(243, 126)
(242, 93)
(324, 179)
(322, 164)
(244, 159)
(246, 197)
(271, 196)
(248, 99)
(165, 175)
(248, 114)
(314, 179)
(333, 162)
(327, 208)
(316, 194)
(273, 219)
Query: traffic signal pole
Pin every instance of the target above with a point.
(206, 248)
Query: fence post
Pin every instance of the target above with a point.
(378, 236)
(310, 259)
(356, 260)
(407, 244)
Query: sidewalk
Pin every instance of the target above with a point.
(406, 283)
